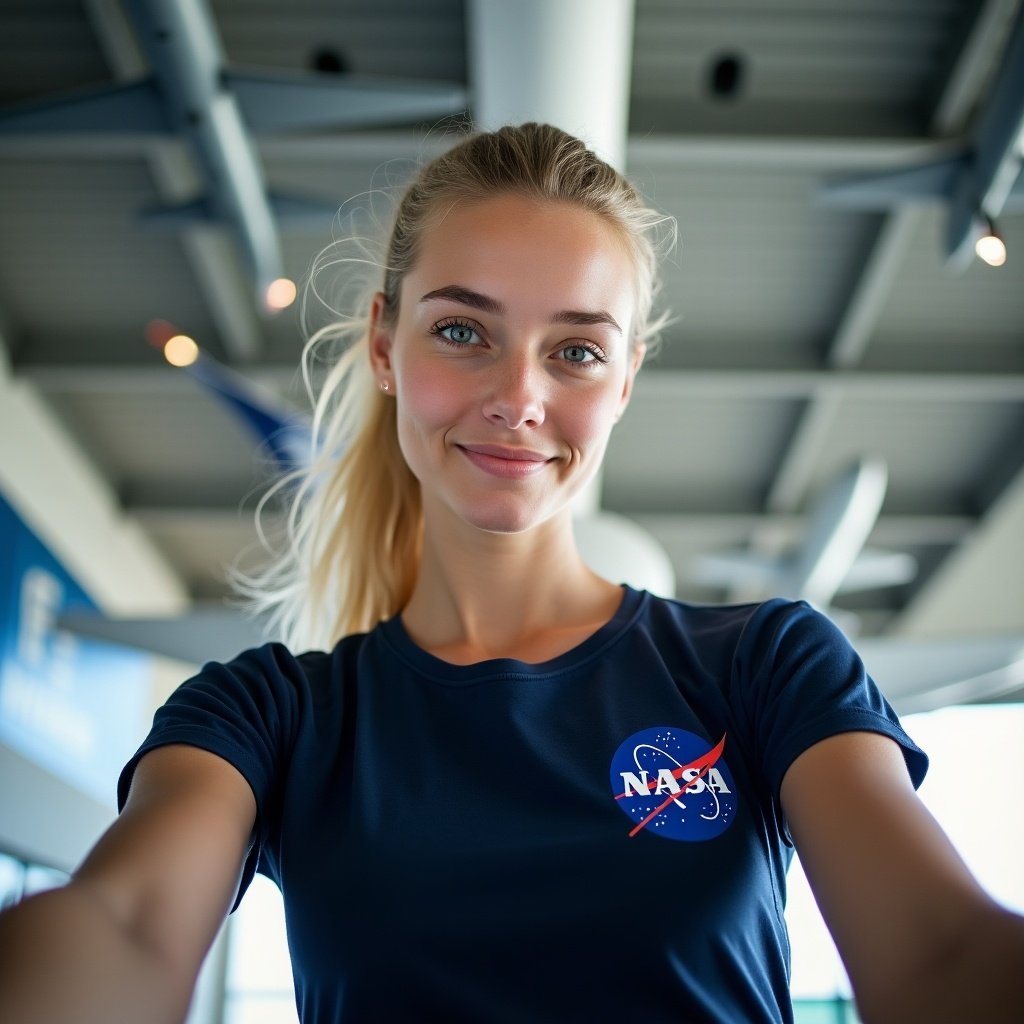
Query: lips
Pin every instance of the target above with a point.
(501, 461)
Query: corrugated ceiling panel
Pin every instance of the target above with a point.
(760, 270)
(47, 46)
(824, 54)
(928, 304)
(343, 184)
(157, 447)
(836, 68)
(203, 547)
(940, 454)
(672, 455)
(76, 267)
(391, 37)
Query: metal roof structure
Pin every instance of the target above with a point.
(808, 332)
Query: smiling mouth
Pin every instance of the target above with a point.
(504, 462)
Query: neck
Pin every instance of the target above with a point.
(483, 595)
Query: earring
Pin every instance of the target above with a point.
(384, 386)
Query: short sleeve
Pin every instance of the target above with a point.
(805, 682)
(242, 711)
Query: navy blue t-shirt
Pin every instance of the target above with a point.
(597, 837)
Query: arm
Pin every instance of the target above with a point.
(919, 937)
(125, 939)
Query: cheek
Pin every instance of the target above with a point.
(588, 422)
(429, 400)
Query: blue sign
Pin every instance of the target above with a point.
(77, 707)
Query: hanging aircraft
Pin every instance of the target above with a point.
(831, 557)
(977, 181)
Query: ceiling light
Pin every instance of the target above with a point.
(280, 293)
(181, 350)
(990, 247)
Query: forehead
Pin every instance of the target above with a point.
(526, 252)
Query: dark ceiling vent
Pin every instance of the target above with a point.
(726, 78)
(329, 61)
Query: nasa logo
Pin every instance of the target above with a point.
(674, 784)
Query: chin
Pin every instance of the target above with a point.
(508, 518)
(503, 524)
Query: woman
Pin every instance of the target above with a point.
(513, 790)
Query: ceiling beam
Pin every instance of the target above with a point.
(5, 350)
(793, 474)
(973, 64)
(870, 290)
(215, 266)
(780, 152)
(726, 383)
(896, 530)
(828, 384)
(784, 152)
(979, 589)
(867, 300)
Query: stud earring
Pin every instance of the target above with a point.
(384, 385)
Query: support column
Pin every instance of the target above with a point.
(563, 62)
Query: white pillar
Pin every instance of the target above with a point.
(561, 62)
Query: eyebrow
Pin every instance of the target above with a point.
(468, 297)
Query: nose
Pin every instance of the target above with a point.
(516, 394)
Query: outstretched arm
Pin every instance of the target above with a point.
(125, 939)
(920, 939)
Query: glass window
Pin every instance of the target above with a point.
(39, 878)
(259, 986)
(975, 788)
(19, 878)
(12, 880)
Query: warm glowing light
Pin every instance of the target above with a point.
(991, 249)
(181, 350)
(280, 293)
(158, 332)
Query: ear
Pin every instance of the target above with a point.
(636, 359)
(380, 341)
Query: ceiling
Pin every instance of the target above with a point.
(805, 335)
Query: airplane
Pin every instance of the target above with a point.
(831, 558)
(977, 181)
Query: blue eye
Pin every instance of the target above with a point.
(456, 333)
(587, 355)
(577, 354)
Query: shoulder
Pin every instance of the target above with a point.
(275, 668)
(721, 617)
(751, 632)
(758, 652)
(261, 700)
(252, 709)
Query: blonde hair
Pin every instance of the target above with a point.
(354, 527)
